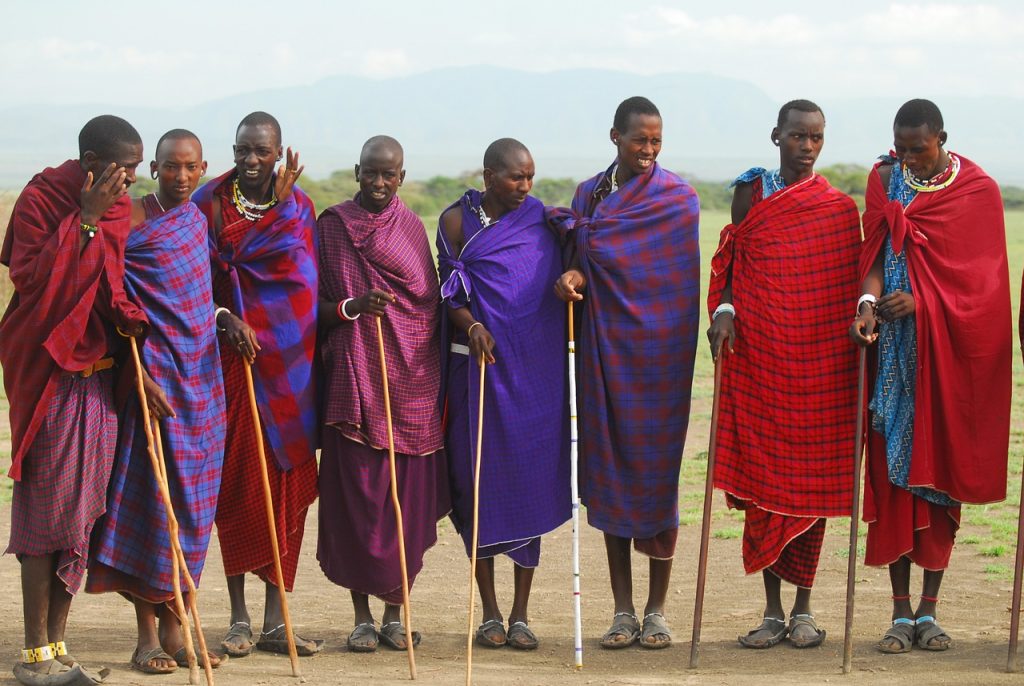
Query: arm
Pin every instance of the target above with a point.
(723, 326)
(481, 343)
(862, 331)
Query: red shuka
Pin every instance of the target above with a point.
(64, 297)
(788, 398)
(955, 244)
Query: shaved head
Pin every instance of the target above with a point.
(919, 112)
(178, 135)
(261, 119)
(502, 153)
(381, 144)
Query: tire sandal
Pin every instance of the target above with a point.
(520, 636)
(358, 641)
(61, 654)
(808, 621)
(927, 630)
(492, 628)
(238, 630)
(628, 628)
(140, 661)
(654, 626)
(55, 673)
(776, 628)
(276, 641)
(901, 633)
(181, 657)
(391, 632)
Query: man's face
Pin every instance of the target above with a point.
(179, 165)
(920, 149)
(127, 155)
(639, 144)
(510, 185)
(256, 149)
(379, 174)
(800, 138)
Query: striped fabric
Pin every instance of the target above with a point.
(65, 297)
(271, 267)
(167, 272)
(638, 337)
(388, 251)
(788, 396)
(63, 488)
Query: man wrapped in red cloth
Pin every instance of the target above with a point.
(937, 300)
(781, 285)
(375, 260)
(65, 250)
(263, 245)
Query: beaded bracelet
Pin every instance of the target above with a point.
(724, 307)
(88, 229)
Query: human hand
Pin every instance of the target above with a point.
(373, 302)
(156, 399)
(99, 195)
(722, 330)
(287, 175)
(862, 331)
(569, 284)
(239, 335)
(895, 305)
(481, 343)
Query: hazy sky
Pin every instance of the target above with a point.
(160, 54)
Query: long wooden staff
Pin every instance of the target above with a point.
(397, 504)
(193, 593)
(851, 563)
(165, 494)
(705, 527)
(1011, 659)
(293, 654)
(476, 524)
(574, 481)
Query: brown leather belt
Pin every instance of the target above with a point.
(98, 366)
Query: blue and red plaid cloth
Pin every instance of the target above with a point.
(638, 249)
(167, 273)
(274, 274)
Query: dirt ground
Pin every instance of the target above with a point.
(974, 608)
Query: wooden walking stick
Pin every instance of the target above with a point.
(574, 481)
(398, 506)
(165, 494)
(851, 563)
(476, 523)
(705, 527)
(293, 654)
(1011, 660)
(193, 593)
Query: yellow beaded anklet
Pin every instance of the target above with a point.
(40, 654)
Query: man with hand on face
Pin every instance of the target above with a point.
(167, 272)
(936, 298)
(497, 261)
(65, 250)
(781, 285)
(635, 264)
(263, 238)
(375, 260)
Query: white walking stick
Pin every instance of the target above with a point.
(574, 481)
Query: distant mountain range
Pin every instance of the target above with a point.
(714, 127)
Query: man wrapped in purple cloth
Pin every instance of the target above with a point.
(167, 272)
(498, 260)
(375, 259)
(633, 230)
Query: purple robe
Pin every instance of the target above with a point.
(505, 275)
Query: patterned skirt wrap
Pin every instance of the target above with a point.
(63, 488)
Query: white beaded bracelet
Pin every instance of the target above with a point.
(866, 298)
(724, 307)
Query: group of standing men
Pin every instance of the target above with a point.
(243, 273)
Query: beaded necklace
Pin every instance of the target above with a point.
(250, 210)
(941, 180)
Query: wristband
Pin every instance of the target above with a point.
(88, 229)
(866, 298)
(342, 314)
(470, 329)
(216, 314)
(724, 307)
